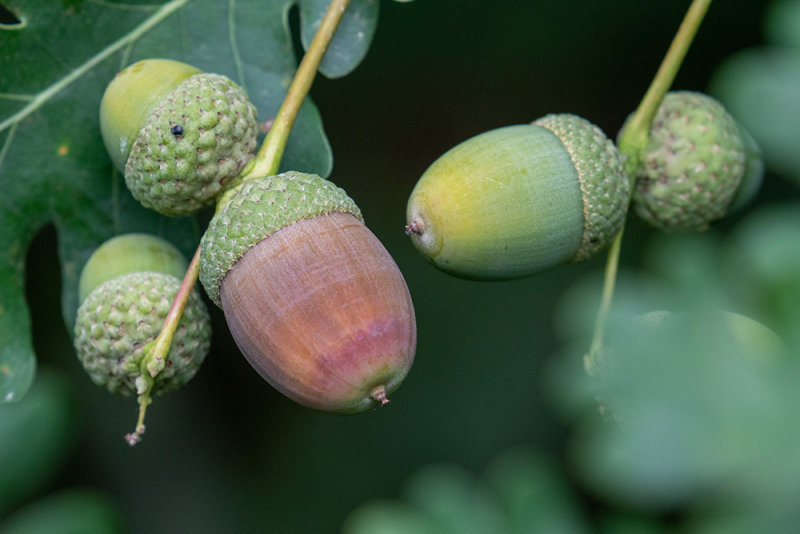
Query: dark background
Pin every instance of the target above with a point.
(229, 454)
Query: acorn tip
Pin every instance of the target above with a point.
(414, 227)
(379, 394)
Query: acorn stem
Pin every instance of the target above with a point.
(636, 134)
(631, 144)
(268, 159)
(609, 283)
(144, 401)
(156, 353)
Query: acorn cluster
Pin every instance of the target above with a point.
(518, 200)
(312, 298)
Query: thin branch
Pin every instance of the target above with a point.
(269, 156)
(631, 144)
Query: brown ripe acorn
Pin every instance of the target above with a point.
(312, 298)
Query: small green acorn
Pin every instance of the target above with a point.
(312, 298)
(517, 200)
(694, 165)
(179, 135)
(126, 290)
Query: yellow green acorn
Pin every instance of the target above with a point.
(179, 135)
(518, 200)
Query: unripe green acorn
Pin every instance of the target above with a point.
(313, 300)
(694, 164)
(179, 135)
(521, 199)
(127, 288)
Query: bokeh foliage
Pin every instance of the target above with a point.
(497, 426)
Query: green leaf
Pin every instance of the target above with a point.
(769, 76)
(389, 517)
(36, 436)
(782, 23)
(761, 264)
(521, 493)
(352, 40)
(53, 167)
(699, 404)
(456, 500)
(534, 495)
(71, 510)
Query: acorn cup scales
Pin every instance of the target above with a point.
(312, 298)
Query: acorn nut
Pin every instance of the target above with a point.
(698, 165)
(126, 290)
(312, 298)
(179, 135)
(518, 200)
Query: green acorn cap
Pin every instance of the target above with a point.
(257, 209)
(180, 136)
(692, 165)
(193, 144)
(119, 317)
(604, 185)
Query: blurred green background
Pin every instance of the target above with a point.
(229, 454)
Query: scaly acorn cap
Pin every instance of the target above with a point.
(192, 145)
(692, 165)
(119, 317)
(257, 209)
(604, 185)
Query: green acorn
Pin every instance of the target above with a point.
(179, 135)
(127, 288)
(694, 164)
(521, 199)
(312, 298)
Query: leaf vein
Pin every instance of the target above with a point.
(11, 96)
(237, 58)
(124, 7)
(7, 144)
(40, 99)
